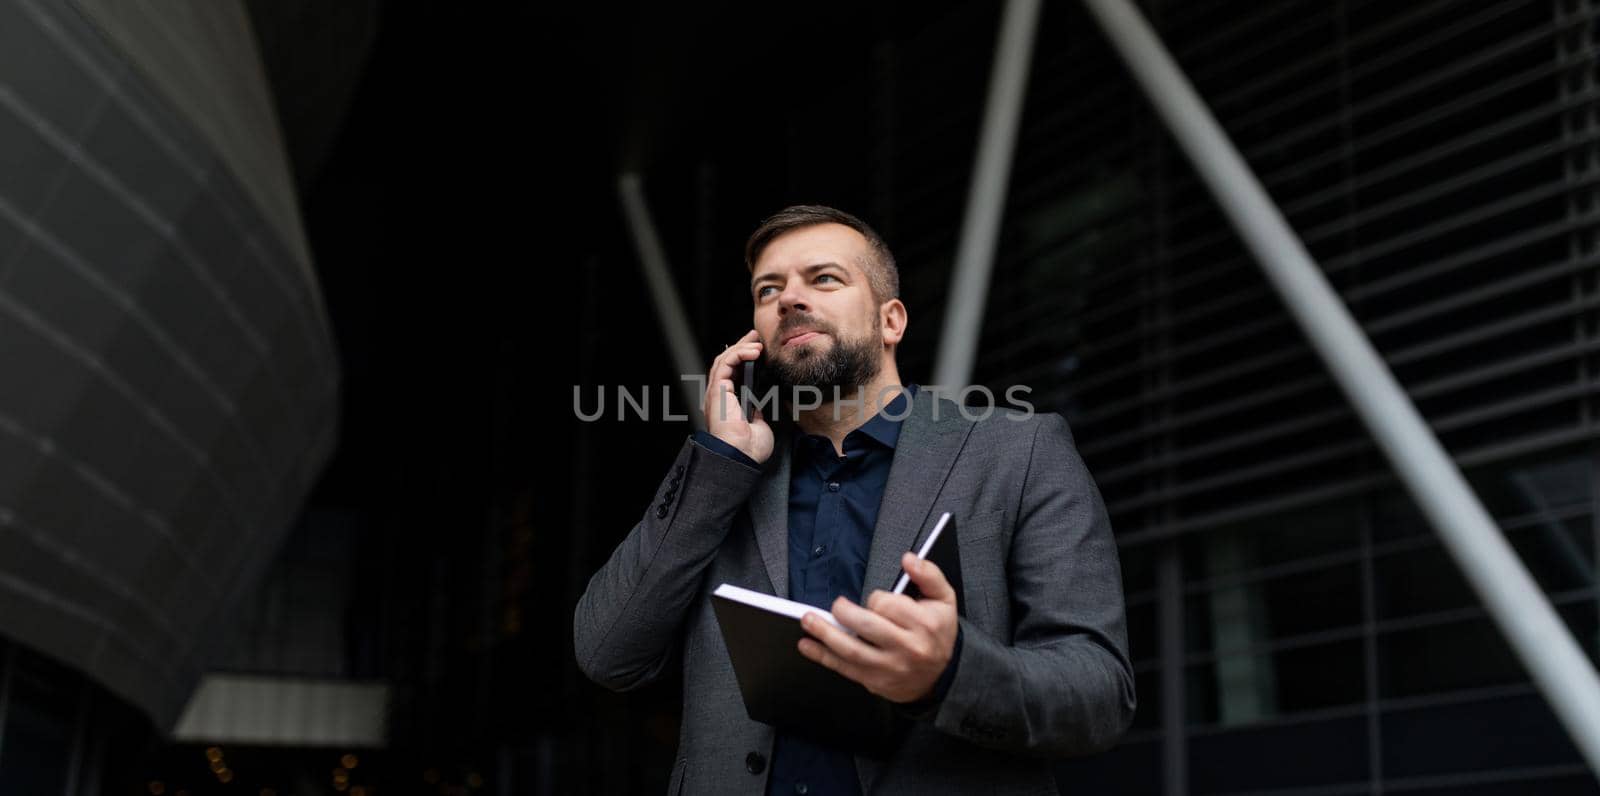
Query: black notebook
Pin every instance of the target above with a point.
(783, 688)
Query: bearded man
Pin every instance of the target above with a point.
(822, 507)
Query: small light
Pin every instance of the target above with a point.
(217, 765)
(340, 773)
(474, 780)
(349, 761)
(225, 775)
(358, 791)
(340, 786)
(157, 788)
(214, 754)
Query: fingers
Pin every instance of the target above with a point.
(901, 610)
(876, 628)
(816, 652)
(719, 379)
(722, 367)
(745, 348)
(928, 578)
(731, 355)
(839, 649)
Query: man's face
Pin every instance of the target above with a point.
(814, 308)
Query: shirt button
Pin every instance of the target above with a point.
(755, 763)
(800, 788)
(833, 486)
(819, 551)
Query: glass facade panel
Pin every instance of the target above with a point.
(1461, 654)
(1559, 554)
(1139, 569)
(1474, 736)
(1132, 767)
(1231, 618)
(40, 718)
(1144, 632)
(1319, 752)
(1321, 530)
(1579, 784)
(1147, 685)
(1241, 689)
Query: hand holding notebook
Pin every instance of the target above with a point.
(783, 688)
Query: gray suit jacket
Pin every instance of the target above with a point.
(1044, 670)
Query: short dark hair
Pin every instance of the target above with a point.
(882, 275)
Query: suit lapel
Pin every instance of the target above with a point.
(769, 513)
(923, 457)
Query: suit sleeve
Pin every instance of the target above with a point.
(1064, 686)
(626, 624)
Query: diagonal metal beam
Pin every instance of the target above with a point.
(1558, 665)
(669, 306)
(986, 195)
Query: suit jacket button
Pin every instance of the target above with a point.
(661, 511)
(755, 763)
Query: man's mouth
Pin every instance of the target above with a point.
(800, 337)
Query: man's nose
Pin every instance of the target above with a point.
(791, 299)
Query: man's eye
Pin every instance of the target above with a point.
(827, 276)
(762, 291)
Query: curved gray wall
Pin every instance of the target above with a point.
(168, 386)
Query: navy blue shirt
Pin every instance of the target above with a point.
(833, 506)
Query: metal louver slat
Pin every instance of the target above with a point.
(1133, 533)
(1190, 278)
(1419, 150)
(1377, 325)
(1396, 360)
(1257, 292)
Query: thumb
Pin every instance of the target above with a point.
(929, 579)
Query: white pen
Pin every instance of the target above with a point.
(905, 577)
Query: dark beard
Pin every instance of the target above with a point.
(846, 365)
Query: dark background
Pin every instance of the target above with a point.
(459, 191)
(474, 261)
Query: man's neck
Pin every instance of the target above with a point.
(835, 420)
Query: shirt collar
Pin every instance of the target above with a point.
(882, 428)
(885, 425)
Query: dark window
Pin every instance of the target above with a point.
(1279, 756)
(39, 720)
(1487, 735)
(1240, 689)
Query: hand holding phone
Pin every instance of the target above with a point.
(752, 384)
(725, 418)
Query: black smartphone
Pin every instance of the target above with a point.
(751, 382)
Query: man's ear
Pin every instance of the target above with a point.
(892, 315)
